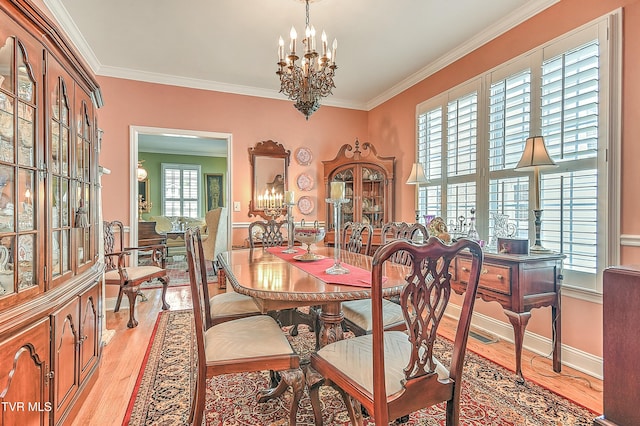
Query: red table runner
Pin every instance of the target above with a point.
(357, 277)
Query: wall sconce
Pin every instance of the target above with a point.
(141, 173)
(536, 157)
(417, 177)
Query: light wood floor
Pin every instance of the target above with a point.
(107, 402)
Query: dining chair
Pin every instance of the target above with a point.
(269, 234)
(129, 278)
(357, 313)
(357, 237)
(266, 233)
(254, 343)
(225, 306)
(415, 232)
(391, 374)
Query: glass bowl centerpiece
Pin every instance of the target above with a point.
(309, 235)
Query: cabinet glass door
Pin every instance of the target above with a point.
(60, 182)
(18, 174)
(373, 181)
(347, 209)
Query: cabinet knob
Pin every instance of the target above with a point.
(499, 276)
(484, 271)
(465, 269)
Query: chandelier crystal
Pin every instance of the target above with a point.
(311, 79)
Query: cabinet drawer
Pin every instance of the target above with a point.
(492, 277)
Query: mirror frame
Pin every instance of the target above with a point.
(269, 149)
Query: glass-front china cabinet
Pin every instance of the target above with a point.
(368, 180)
(50, 272)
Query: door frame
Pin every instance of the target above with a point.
(134, 133)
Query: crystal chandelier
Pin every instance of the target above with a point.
(312, 79)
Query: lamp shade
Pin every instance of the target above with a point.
(417, 175)
(535, 155)
(141, 173)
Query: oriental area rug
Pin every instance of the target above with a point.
(490, 394)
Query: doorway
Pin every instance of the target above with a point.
(178, 141)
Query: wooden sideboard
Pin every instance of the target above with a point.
(621, 346)
(519, 283)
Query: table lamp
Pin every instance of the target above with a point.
(417, 177)
(536, 157)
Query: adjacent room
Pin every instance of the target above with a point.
(319, 212)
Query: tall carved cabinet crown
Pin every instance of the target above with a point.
(368, 180)
(50, 272)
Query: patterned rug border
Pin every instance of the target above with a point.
(153, 352)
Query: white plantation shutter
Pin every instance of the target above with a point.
(509, 127)
(569, 194)
(470, 139)
(180, 188)
(462, 122)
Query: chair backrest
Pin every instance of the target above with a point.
(423, 301)
(197, 276)
(216, 241)
(415, 232)
(357, 237)
(113, 233)
(267, 233)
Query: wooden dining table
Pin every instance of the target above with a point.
(278, 281)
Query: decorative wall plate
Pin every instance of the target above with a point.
(305, 182)
(304, 156)
(305, 205)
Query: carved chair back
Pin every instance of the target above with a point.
(266, 233)
(357, 237)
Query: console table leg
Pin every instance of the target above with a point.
(556, 330)
(519, 323)
(330, 324)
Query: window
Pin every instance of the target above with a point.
(471, 138)
(180, 188)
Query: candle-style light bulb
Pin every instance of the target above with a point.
(313, 38)
(307, 38)
(293, 34)
(324, 43)
(333, 53)
(280, 49)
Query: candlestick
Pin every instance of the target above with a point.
(288, 197)
(337, 268)
(337, 191)
(290, 223)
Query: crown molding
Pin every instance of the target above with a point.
(525, 12)
(60, 13)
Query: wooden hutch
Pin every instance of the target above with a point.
(50, 270)
(368, 182)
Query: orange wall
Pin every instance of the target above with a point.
(395, 119)
(248, 119)
(390, 127)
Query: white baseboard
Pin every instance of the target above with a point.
(571, 357)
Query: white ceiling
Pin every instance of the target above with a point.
(384, 46)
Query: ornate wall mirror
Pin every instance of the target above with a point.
(269, 164)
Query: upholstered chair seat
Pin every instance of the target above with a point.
(249, 337)
(231, 304)
(357, 314)
(354, 358)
